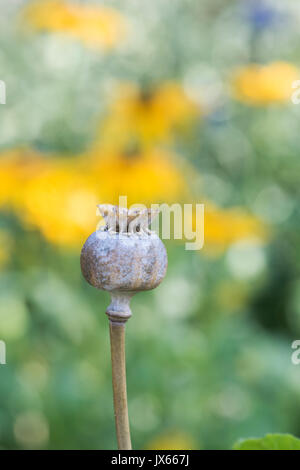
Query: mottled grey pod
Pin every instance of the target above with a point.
(123, 265)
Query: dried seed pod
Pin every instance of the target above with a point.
(123, 263)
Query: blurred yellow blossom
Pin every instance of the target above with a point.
(143, 116)
(95, 25)
(223, 227)
(148, 177)
(258, 85)
(59, 196)
(61, 203)
(17, 166)
(172, 441)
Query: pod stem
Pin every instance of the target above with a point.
(117, 344)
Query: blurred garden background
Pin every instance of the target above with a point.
(163, 101)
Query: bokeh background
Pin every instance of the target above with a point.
(162, 101)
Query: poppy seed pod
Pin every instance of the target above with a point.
(123, 257)
(123, 265)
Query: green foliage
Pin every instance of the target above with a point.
(208, 352)
(269, 442)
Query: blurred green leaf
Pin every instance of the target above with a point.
(269, 442)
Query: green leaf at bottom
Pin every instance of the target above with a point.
(269, 442)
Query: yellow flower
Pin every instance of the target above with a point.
(59, 197)
(149, 177)
(172, 441)
(61, 203)
(17, 166)
(264, 84)
(8, 177)
(223, 227)
(49, 194)
(145, 116)
(96, 26)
